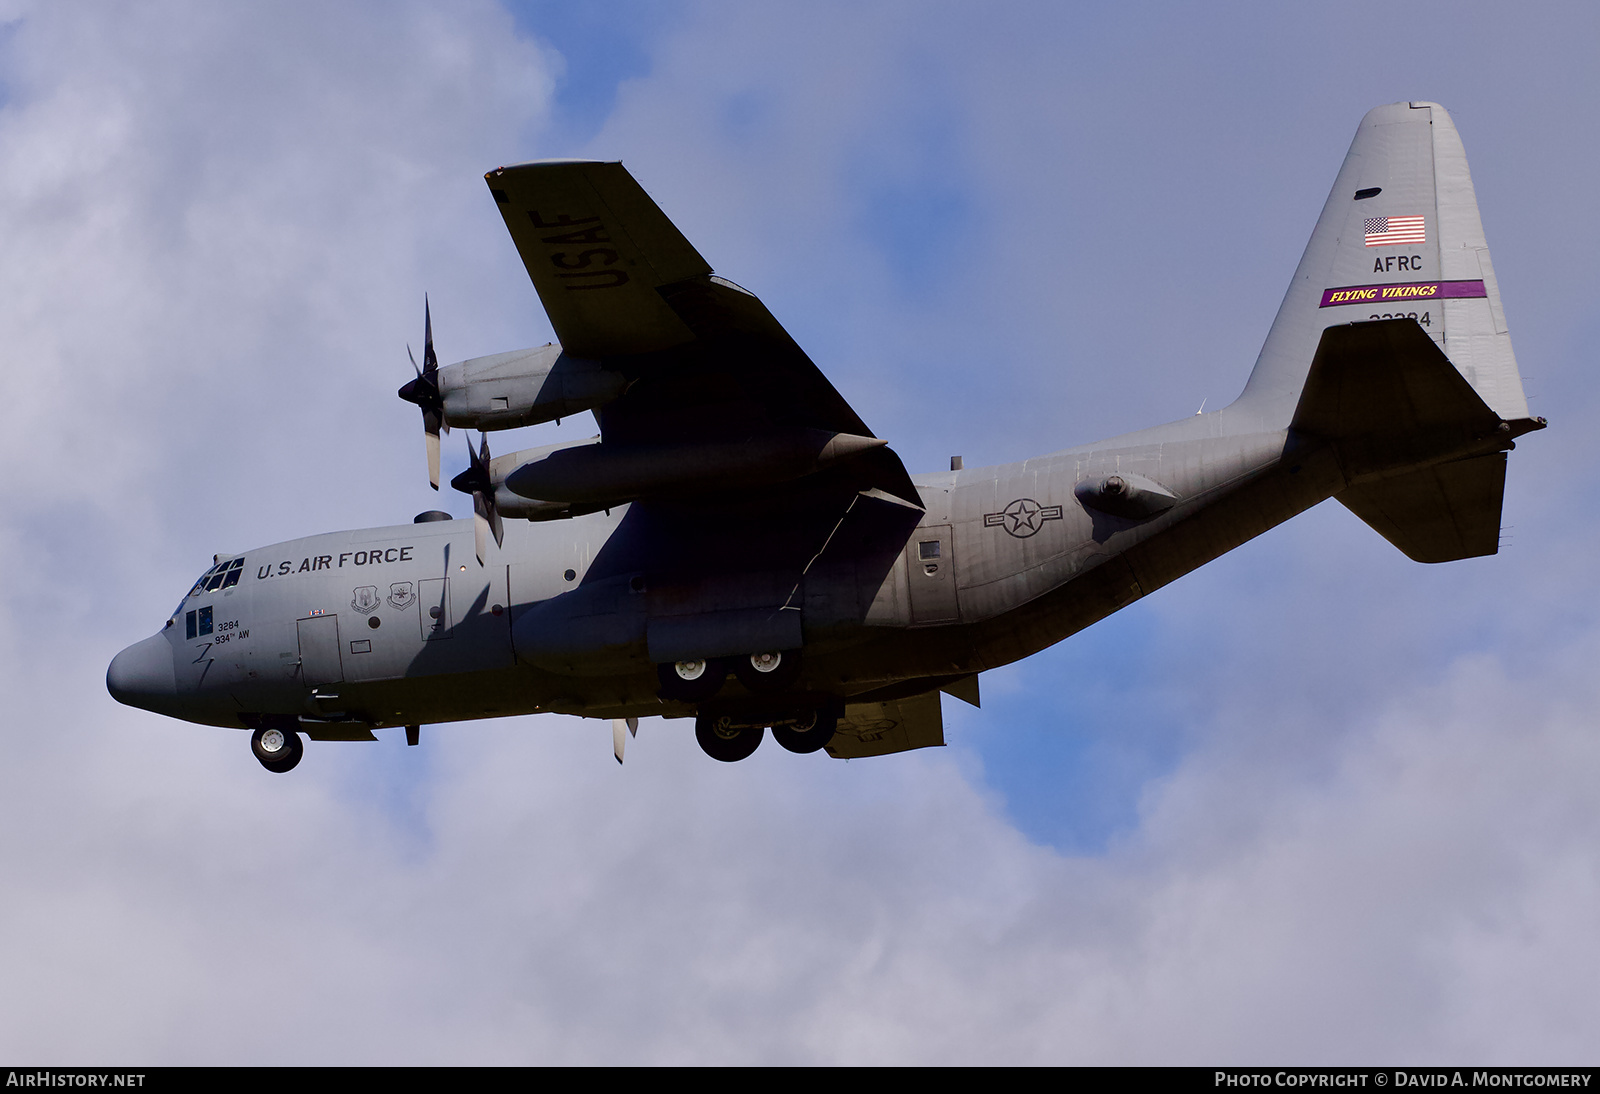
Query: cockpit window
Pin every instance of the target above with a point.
(224, 575)
(227, 576)
(200, 586)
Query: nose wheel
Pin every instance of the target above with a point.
(277, 749)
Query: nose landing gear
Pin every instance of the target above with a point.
(277, 749)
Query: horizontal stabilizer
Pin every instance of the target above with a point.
(1386, 378)
(1423, 454)
(1438, 514)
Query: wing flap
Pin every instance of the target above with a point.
(743, 337)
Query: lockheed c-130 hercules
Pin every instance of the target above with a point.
(737, 546)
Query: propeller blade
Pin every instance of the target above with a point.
(618, 739)
(480, 531)
(430, 363)
(475, 480)
(424, 391)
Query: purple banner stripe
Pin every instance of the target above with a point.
(1402, 293)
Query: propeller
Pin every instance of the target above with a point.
(424, 391)
(475, 480)
(617, 739)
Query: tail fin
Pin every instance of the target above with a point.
(1399, 236)
(1420, 427)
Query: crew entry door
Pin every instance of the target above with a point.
(319, 651)
(931, 576)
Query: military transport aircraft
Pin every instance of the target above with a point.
(737, 546)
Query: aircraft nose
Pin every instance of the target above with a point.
(142, 675)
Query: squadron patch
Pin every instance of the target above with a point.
(365, 599)
(1022, 518)
(401, 595)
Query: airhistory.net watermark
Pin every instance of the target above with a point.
(50, 1077)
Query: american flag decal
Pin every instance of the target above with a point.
(1387, 231)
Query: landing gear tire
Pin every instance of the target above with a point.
(768, 672)
(277, 749)
(721, 740)
(807, 738)
(691, 681)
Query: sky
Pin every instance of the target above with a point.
(1312, 804)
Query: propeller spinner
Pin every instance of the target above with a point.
(475, 480)
(424, 391)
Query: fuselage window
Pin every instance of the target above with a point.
(927, 550)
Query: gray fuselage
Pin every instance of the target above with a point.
(401, 625)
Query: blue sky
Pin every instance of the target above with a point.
(1313, 803)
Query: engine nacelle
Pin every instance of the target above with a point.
(597, 475)
(524, 387)
(512, 504)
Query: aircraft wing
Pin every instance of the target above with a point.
(705, 359)
(598, 250)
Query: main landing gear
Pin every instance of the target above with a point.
(730, 736)
(277, 749)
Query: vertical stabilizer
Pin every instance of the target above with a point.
(1400, 236)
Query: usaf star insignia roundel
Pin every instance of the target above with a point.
(1022, 518)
